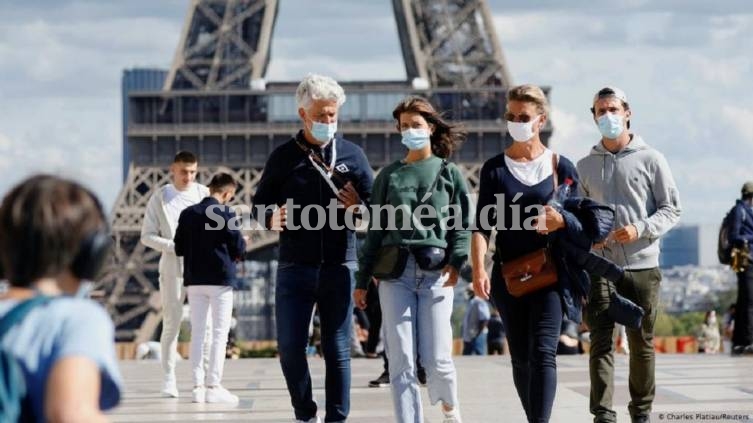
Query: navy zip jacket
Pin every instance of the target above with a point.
(209, 255)
(290, 175)
(587, 222)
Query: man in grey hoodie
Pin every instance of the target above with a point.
(625, 172)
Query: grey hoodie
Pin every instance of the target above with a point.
(638, 183)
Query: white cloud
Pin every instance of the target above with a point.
(82, 57)
(742, 120)
(573, 135)
(5, 146)
(63, 79)
(728, 72)
(78, 138)
(5, 143)
(731, 28)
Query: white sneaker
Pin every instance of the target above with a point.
(315, 419)
(218, 394)
(199, 394)
(451, 416)
(170, 389)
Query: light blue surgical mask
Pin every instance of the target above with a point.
(416, 139)
(323, 132)
(610, 125)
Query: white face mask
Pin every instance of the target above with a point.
(522, 131)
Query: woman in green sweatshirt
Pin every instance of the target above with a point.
(420, 202)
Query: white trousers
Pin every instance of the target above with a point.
(217, 302)
(172, 293)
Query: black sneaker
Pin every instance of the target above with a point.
(382, 381)
(738, 350)
(641, 419)
(421, 375)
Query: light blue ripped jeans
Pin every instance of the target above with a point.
(416, 309)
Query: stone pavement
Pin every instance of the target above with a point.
(687, 383)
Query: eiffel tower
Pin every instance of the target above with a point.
(215, 101)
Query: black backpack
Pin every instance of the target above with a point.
(724, 247)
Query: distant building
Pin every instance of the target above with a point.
(137, 80)
(693, 245)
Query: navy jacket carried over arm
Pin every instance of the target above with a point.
(289, 175)
(208, 240)
(587, 222)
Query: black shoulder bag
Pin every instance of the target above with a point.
(391, 259)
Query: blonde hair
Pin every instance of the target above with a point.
(530, 94)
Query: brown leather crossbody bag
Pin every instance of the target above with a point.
(533, 271)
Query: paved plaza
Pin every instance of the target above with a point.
(687, 383)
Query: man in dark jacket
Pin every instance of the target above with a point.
(210, 243)
(741, 236)
(312, 172)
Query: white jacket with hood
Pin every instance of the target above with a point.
(158, 232)
(638, 183)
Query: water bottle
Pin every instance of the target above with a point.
(561, 194)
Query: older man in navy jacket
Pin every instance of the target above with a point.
(315, 169)
(210, 241)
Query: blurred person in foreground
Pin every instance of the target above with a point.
(53, 237)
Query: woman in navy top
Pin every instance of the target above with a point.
(523, 175)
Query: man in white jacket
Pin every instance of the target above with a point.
(626, 173)
(157, 232)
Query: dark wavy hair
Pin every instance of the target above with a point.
(447, 137)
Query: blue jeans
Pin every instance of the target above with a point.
(298, 288)
(532, 324)
(417, 308)
(475, 347)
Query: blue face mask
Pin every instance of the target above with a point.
(416, 139)
(610, 125)
(323, 132)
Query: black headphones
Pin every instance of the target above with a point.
(94, 249)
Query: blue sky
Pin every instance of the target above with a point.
(686, 65)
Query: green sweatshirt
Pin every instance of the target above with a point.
(402, 186)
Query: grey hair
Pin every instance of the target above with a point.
(318, 87)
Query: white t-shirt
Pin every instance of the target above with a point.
(533, 172)
(177, 201)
